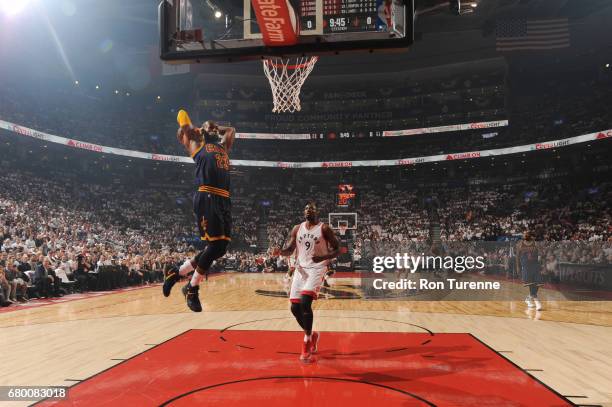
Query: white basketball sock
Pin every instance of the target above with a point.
(196, 278)
(307, 337)
(186, 268)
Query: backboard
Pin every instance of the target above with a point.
(347, 220)
(230, 30)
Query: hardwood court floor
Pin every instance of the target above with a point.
(566, 346)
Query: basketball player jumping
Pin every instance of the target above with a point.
(208, 146)
(316, 244)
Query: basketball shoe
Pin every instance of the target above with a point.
(171, 278)
(529, 302)
(538, 304)
(314, 342)
(306, 356)
(192, 295)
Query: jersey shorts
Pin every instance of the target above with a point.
(306, 281)
(213, 215)
(531, 274)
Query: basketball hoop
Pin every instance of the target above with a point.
(286, 78)
(342, 229)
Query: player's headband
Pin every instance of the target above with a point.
(183, 118)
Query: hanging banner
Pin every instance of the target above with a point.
(27, 132)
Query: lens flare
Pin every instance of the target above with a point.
(13, 7)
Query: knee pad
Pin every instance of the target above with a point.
(213, 251)
(296, 308)
(306, 304)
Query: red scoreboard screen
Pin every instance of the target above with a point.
(346, 195)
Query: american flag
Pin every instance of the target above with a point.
(521, 34)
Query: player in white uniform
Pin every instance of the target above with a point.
(316, 244)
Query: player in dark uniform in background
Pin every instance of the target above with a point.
(208, 146)
(528, 265)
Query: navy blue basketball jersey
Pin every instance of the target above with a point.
(528, 257)
(212, 169)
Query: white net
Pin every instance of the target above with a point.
(286, 78)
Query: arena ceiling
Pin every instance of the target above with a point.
(115, 40)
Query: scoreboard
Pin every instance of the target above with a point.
(345, 196)
(191, 31)
(343, 16)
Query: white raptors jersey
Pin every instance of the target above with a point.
(311, 242)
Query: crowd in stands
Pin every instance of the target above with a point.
(344, 105)
(100, 117)
(70, 235)
(58, 236)
(547, 108)
(249, 262)
(554, 211)
(59, 233)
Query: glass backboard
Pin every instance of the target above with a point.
(230, 30)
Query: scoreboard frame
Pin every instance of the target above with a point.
(191, 35)
(344, 10)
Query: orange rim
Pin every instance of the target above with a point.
(294, 66)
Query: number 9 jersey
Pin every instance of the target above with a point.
(211, 201)
(308, 275)
(311, 242)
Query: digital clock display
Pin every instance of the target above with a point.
(350, 15)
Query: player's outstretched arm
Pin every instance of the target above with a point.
(229, 135)
(187, 135)
(333, 243)
(289, 248)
